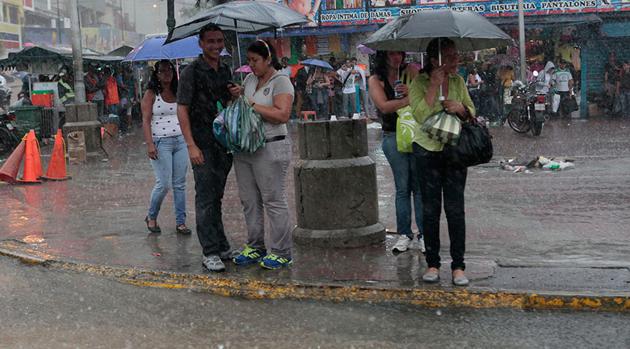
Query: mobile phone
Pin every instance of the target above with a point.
(230, 83)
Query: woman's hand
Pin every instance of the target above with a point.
(402, 89)
(152, 152)
(438, 75)
(235, 90)
(454, 107)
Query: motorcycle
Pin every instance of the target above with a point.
(9, 134)
(5, 97)
(528, 109)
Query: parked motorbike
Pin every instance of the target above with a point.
(5, 97)
(9, 134)
(527, 109)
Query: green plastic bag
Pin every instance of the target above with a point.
(406, 129)
(239, 128)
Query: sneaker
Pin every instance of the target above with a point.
(421, 246)
(228, 255)
(402, 244)
(273, 261)
(213, 263)
(248, 256)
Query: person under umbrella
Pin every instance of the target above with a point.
(389, 68)
(438, 178)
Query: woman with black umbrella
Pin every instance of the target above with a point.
(438, 178)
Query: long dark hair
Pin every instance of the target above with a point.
(433, 51)
(154, 83)
(265, 49)
(380, 64)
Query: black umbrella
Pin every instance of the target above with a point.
(242, 17)
(470, 32)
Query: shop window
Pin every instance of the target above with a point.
(13, 15)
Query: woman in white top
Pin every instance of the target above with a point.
(261, 175)
(166, 146)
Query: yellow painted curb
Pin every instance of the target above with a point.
(258, 289)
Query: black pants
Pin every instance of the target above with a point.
(210, 178)
(437, 179)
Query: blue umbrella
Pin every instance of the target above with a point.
(153, 49)
(317, 63)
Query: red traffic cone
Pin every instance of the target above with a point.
(57, 166)
(32, 161)
(11, 167)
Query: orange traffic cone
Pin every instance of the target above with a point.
(11, 167)
(32, 161)
(57, 166)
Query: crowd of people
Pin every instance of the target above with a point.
(341, 91)
(178, 118)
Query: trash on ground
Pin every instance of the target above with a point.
(540, 162)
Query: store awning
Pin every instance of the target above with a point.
(548, 21)
(319, 31)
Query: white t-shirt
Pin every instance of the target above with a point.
(362, 73)
(285, 71)
(349, 86)
(164, 122)
(278, 84)
(561, 79)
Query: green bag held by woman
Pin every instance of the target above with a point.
(406, 126)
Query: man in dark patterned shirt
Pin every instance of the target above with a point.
(202, 86)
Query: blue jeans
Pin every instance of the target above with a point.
(407, 185)
(170, 170)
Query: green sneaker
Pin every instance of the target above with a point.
(272, 261)
(248, 256)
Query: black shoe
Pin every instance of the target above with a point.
(182, 229)
(155, 229)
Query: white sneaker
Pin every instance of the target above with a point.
(421, 245)
(402, 244)
(213, 263)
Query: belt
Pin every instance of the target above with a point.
(275, 139)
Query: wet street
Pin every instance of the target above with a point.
(563, 232)
(68, 310)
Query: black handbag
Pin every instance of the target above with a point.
(474, 146)
(571, 104)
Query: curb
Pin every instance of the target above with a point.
(477, 298)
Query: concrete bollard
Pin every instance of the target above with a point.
(335, 186)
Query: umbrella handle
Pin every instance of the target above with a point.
(441, 97)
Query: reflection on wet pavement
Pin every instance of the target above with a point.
(577, 217)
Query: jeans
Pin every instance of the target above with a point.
(210, 179)
(348, 104)
(624, 96)
(407, 185)
(262, 188)
(438, 179)
(170, 171)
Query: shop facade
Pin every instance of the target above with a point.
(583, 32)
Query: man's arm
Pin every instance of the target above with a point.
(184, 99)
(196, 156)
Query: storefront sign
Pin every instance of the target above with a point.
(336, 12)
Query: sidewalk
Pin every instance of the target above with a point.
(544, 240)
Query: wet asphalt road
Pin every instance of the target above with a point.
(43, 309)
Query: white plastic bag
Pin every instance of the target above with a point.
(555, 103)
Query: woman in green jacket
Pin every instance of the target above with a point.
(437, 178)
